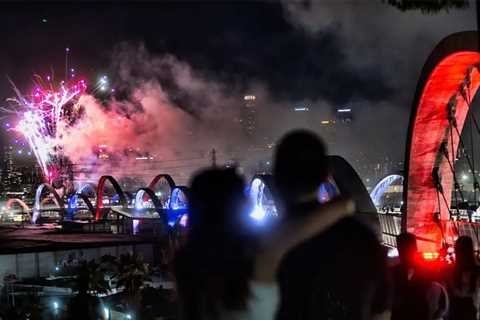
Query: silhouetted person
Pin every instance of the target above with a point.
(219, 274)
(407, 254)
(464, 280)
(339, 274)
(83, 305)
(416, 294)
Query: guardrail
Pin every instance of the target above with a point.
(391, 226)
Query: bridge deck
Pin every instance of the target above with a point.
(47, 238)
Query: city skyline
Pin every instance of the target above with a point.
(278, 51)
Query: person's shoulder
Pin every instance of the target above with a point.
(354, 226)
(183, 260)
(476, 271)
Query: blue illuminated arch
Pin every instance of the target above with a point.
(140, 198)
(327, 191)
(178, 204)
(263, 206)
(343, 181)
(38, 204)
(380, 188)
(73, 200)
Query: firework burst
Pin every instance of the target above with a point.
(42, 116)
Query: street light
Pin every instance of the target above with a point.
(56, 306)
(106, 313)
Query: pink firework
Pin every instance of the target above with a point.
(42, 114)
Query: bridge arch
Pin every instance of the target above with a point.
(165, 196)
(382, 186)
(179, 198)
(100, 190)
(45, 201)
(261, 194)
(80, 193)
(21, 203)
(159, 177)
(449, 77)
(38, 201)
(349, 184)
(343, 180)
(178, 206)
(140, 196)
(87, 187)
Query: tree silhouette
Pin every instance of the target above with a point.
(428, 6)
(132, 273)
(90, 281)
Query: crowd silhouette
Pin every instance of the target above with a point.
(318, 262)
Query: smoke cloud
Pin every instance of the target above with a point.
(182, 97)
(166, 118)
(376, 37)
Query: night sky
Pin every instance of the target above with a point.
(233, 41)
(331, 53)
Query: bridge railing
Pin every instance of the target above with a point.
(465, 228)
(391, 226)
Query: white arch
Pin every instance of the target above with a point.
(382, 186)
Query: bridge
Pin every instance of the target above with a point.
(432, 203)
(432, 198)
(90, 201)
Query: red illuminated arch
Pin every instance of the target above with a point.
(21, 203)
(440, 79)
(100, 189)
(153, 185)
(157, 178)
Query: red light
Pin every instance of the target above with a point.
(430, 255)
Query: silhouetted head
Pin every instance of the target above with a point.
(464, 253)
(407, 248)
(217, 201)
(300, 165)
(214, 266)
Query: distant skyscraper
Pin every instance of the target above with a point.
(248, 117)
(300, 116)
(301, 108)
(8, 170)
(345, 114)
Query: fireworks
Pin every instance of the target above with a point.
(42, 116)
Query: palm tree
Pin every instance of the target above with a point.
(132, 273)
(94, 276)
(90, 282)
